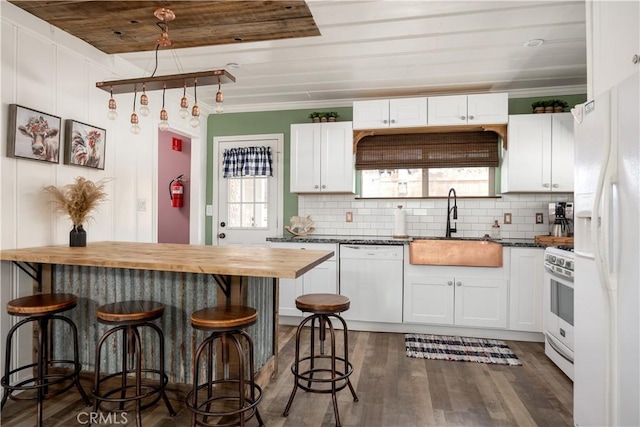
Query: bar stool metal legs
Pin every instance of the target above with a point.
(44, 383)
(322, 373)
(231, 396)
(131, 360)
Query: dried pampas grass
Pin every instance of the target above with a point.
(77, 200)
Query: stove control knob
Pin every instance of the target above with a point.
(552, 259)
(569, 265)
(560, 261)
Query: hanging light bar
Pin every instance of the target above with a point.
(173, 81)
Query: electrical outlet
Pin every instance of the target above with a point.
(142, 205)
(539, 218)
(507, 218)
(349, 216)
(209, 210)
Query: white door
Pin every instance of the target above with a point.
(247, 209)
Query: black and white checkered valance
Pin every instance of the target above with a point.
(247, 161)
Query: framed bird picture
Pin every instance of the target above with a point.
(84, 145)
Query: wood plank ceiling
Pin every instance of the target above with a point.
(130, 26)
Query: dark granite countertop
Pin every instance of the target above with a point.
(390, 240)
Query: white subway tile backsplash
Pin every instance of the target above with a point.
(428, 217)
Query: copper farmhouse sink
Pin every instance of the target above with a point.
(469, 253)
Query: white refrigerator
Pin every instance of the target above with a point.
(607, 258)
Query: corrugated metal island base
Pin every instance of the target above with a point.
(185, 278)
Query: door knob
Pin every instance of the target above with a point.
(222, 235)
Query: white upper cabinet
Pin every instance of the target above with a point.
(615, 53)
(539, 157)
(385, 113)
(322, 158)
(489, 108)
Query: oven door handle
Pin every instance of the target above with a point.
(551, 342)
(548, 269)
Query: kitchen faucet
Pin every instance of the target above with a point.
(455, 212)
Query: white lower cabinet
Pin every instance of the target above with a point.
(460, 296)
(321, 279)
(526, 284)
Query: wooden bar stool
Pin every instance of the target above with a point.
(322, 373)
(128, 317)
(226, 324)
(42, 308)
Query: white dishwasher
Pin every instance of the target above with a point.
(372, 277)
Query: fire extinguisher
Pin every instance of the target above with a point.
(176, 192)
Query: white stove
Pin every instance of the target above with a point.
(558, 305)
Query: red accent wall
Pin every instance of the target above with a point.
(173, 223)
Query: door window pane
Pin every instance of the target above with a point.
(248, 207)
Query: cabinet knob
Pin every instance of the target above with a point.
(458, 283)
(463, 118)
(316, 187)
(324, 186)
(635, 59)
(450, 283)
(471, 117)
(222, 235)
(385, 121)
(393, 121)
(545, 185)
(556, 185)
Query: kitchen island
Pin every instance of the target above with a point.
(183, 277)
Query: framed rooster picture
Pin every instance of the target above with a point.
(84, 145)
(33, 134)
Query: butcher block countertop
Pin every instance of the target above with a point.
(225, 260)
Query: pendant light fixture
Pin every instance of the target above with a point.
(219, 100)
(144, 102)
(112, 114)
(184, 103)
(164, 117)
(135, 128)
(195, 111)
(173, 81)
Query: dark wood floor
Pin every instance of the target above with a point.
(393, 390)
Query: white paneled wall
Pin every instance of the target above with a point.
(428, 217)
(48, 70)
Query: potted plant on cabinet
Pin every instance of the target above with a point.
(332, 116)
(315, 116)
(559, 105)
(538, 107)
(548, 106)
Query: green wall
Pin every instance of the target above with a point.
(257, 123)
(266, 122)
(523, 105)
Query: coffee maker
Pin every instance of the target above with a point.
(561, 219)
